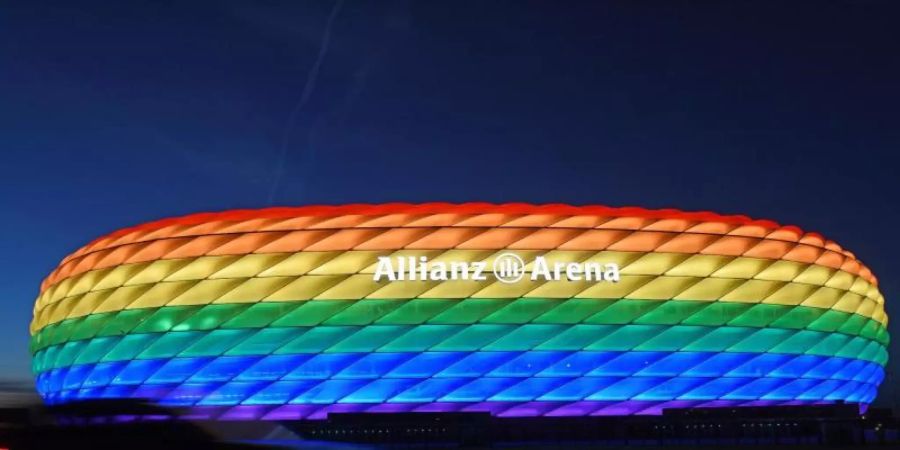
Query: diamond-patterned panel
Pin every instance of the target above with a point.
(273, 314)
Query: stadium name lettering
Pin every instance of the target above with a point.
(506, 268)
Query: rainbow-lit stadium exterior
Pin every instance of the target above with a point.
(273, 314)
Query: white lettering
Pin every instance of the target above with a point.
(573, 271)
(593, 271)
(479, 270)
(384, 269)
(612, 273)
(439, 272)
(413, 268)
(540, 269)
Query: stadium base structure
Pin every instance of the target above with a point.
(804, 425)
(276, 314)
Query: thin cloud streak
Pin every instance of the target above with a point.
(308, 90)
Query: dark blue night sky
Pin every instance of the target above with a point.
(116, 113)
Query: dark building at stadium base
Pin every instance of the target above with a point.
(777, 425)
(282, 315)
(111, 423)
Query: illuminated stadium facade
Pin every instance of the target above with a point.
(275, 314)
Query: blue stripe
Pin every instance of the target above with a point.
(510, 376)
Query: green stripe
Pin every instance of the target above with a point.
(465, 338)
(456, 312)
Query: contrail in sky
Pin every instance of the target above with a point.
(308, 89)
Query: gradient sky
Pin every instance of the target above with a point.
(115, 114)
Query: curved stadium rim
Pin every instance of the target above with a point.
(369, 209)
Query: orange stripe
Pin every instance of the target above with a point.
(446, 238)
(195, 233)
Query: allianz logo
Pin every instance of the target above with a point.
(506, 268)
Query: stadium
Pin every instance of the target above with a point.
(274, 314)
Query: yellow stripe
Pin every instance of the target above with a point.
(341, 275)
(341, 263)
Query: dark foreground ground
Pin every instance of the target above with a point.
(137, 426)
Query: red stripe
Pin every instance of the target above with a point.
(434, 208)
